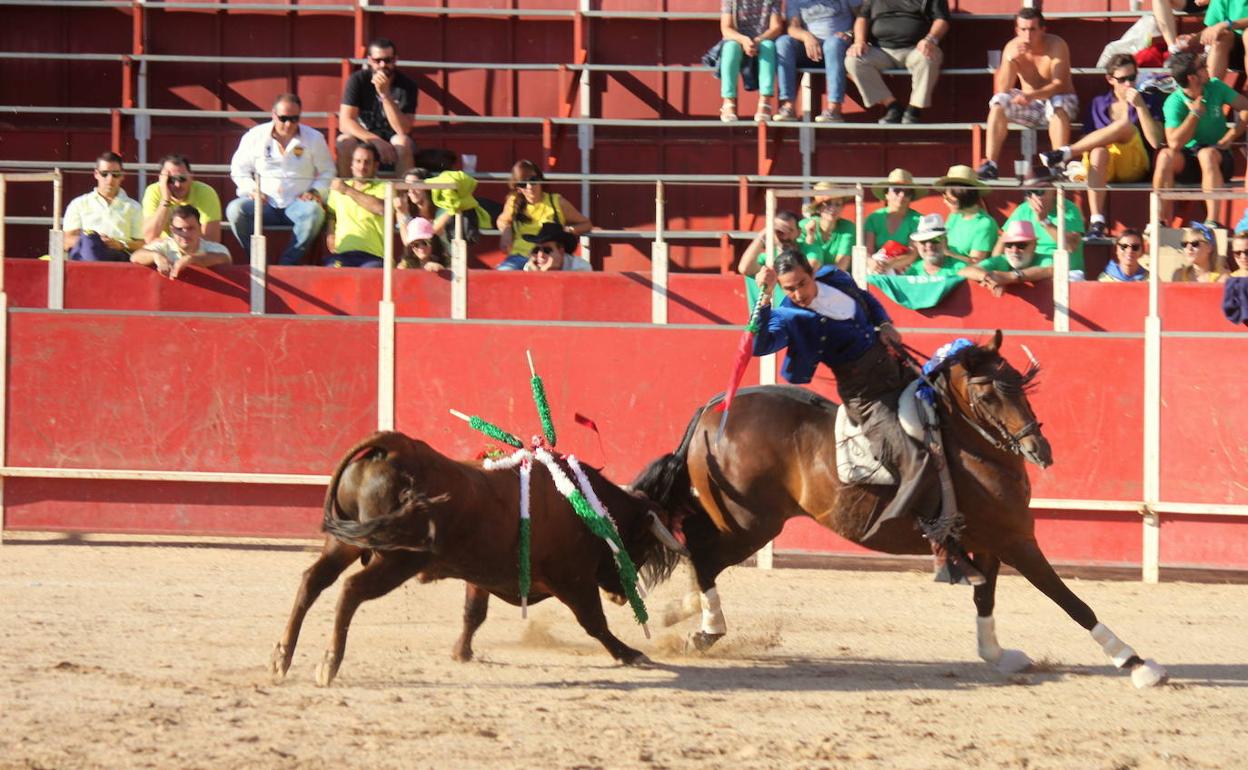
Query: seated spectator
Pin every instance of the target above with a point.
(934, 260)
(1112, 149)
(1197, 137)
(896, 222)
(527, 209)
(420, 240)
(1040, 65)
(177, 186)
(749, 29)
(818, 32)
(418, 204)
(1222, 37)
(104, 225)
(294, 166)
(1167, 24)
(970, 231)
(1018, 263)
(1200, 256)
(551, 245)
(788, 233)
(184, 246)
(1125, 267)
(356, 232)
(929, 279)
(1039, 209)
(898, 33)
(828, 238)
(477, 214)
(377, 108)
(1239, 254)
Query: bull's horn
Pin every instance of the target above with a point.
(665, 536)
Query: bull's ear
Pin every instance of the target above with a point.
(995, 345)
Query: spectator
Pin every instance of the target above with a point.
(1163, 12)
(1200, 256)
(828, 239)
(184, 246)
(294, 166)
(550, 247)
(1239, 254)
(1125, 267)
(898, 33)
(420, 240)
(787, 230)
(1113, 150)
(418, 204)
(930, 279)
(818, 31)
(177, 186)
(1040, 64)
(1197, 138)
(477, 215)
(356, 231)
(377, 108)
(527, 208)
(929, 239)
(1222, 37)
(104, 225)
(970, 231)
(1018, 264)
(749, 29)
(896, 222)
(1039, 209)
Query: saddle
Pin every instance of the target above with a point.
(856, 463)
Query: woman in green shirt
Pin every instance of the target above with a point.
(970, 231)
(828, 238)
(897, 221)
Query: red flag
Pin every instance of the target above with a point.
(745, 350)
(581, 419)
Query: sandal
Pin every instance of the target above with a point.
(763, 113)
(728, 112)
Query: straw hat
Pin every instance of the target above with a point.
(898, 177)
(812, 208)
(961, 176)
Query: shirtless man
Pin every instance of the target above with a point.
(1040, 63)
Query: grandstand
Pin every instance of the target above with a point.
(607, 95)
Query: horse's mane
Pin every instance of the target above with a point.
(982, 360)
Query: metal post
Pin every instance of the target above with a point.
(658, 260)
(459, 272)
(385, 319)
(584, 132)
(1061, 270)
(1151, 556)
(142, 127)
(858, 256)
(767, 363)
(769, 232)
(258, 246)
(56, 247)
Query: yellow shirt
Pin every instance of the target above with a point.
(545, 210)
(355, 227)
(202, 197)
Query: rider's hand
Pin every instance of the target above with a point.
(889, 335)
(766, 279)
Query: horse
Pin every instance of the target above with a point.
(776, 460)
(405, 510)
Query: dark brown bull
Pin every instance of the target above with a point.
(405, 510)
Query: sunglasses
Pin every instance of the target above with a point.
(528, 183)
(1130, 246)
(933, 241)
(1193, 244)
(1017, 245)
(178, 179)
(287, 118)
(1124, 79)
(381, 59)
(1240, 252)
(547, 250)
(422, 244)
(113, 174)
(898, 190)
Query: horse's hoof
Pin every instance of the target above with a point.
(636, 659)
(278, 663)
(1148, 674)
(461, 654)
(1012, 662)
(701, 641)
(326, 670)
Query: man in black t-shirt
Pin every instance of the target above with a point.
(377, 109)
(897, 33)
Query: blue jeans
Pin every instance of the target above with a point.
(791, 54)
(732, 55)
(304, 218)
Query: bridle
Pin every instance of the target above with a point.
(1007, 441)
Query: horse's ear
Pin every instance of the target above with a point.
(995, 345)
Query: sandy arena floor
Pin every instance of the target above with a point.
(125, 656)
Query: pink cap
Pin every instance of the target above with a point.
(1019, 230)
(419, 229)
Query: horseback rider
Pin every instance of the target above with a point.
(825, 318)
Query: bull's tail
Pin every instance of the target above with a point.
(388, 442)
(401, 530)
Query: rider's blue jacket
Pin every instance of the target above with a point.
(812, 338)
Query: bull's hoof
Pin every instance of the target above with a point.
(1012, 662)
(278, 662)
(326, 670)
(701, 641)
(1148, 674)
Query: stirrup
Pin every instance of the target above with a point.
(958, 563)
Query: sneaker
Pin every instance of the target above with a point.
(1096, 232)
(1053, 159)
(728, 112)
(763, 113)
(911, 115)
(784, 114)
(830, 115)
(892, 114)
(987, 171)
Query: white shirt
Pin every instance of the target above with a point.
(285, 173)
(833, 303)
(168, 248)
(120, 219)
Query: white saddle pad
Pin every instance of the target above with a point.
(855, 462)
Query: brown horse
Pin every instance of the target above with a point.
(776, 460)
(405, 510)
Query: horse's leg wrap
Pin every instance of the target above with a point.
(712, 616)
(986, 635)
(1118, 651)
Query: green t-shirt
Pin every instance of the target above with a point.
(202, 197)
(1001, 264)
(1212, 125)
(1045, 245)
(977, 232)
(951, 266)
(877, 223)
(839, 244)
(1226, 10)
(355, 227)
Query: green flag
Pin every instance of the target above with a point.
(917, 292)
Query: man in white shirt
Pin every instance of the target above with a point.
(184, 246)
(104, 225)
(294, 166)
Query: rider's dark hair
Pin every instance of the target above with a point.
(789, 260)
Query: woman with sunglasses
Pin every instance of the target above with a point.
(423, 248)
(828, 237)
(897, 221)
(1125, 266)
(1200, 256)
(971, 232)
(1239, 254)
(527, 209)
